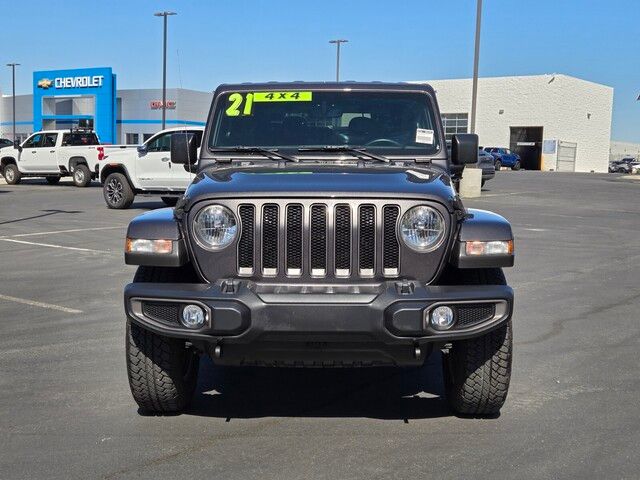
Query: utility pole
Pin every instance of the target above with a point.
(13, 96)
(476, 57)
(338, 42)
(164, 14)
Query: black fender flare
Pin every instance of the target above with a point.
(115, 168)
(4, 161)
(483, 226)
(158, 224)
(75, 161)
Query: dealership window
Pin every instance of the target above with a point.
(454, 123)
(132, 138)
(81, 105)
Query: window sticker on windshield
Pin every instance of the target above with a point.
(424, 136)
(242, 104)
(282, 96)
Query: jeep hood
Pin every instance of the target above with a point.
(318, 182)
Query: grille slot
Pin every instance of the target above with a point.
(161, 311)
(367, 240)
(390, 245)
(472, 313)
(246, 242)
(343, 240)
(270, 239)
(294, 240)
(318, 240)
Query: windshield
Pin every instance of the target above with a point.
(400, 123)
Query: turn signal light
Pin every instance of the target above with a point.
(495, 247)
(141, 245)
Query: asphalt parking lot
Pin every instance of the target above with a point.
(66, 410)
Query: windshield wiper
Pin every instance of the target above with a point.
(356, 151)
(267, 152)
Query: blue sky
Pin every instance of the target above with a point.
(211, 42)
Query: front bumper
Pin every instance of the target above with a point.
(318, 325)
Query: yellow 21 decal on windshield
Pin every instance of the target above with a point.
(242, 104)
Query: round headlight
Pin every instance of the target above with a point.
(422, 228)
(215, 227)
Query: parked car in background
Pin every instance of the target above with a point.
(5, 142)
(486, 163)
(504, 158)
(625, 165)
(146, 170)
(53, 154)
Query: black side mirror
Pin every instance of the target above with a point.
(184, 149)
(17, 145)
(464, 148)
(142, 149)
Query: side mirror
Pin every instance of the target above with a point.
(142, 149)
(464, 148)
(17, 145)
(184, 149)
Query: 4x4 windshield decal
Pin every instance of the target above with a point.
(242, 104)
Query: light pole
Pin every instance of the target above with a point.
(338, 42)
(476, 57)
(164, 14)
(13, 96)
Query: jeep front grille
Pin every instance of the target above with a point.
(318, 240)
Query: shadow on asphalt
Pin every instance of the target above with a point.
(382, 393)
(46, 214)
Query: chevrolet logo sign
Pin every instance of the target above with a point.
(44, 83)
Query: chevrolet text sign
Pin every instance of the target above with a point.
(78, 82)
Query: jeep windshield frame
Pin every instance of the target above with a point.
(298, 119)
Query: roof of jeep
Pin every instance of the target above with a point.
(325, 86)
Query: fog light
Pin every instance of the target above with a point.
(442, 318)
(193, 316)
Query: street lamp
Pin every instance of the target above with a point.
(13, 97)
(338, 42)
(476, 57)
(164, 14)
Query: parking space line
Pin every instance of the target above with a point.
(51, 245)
(34, 303)
(74, 230)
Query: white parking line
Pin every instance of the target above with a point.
(74, 230)
(33, 303)
(37, 244)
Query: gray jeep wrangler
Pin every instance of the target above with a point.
(322, 230)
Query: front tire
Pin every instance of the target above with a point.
(81, 176)
(477, 371)
(11, 174)
(162, 371)
(52, 180)
(117, 192)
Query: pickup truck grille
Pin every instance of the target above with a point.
(318, 240)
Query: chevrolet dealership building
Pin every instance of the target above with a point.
(554, 122)
(89, 98)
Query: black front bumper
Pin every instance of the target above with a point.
(318, 325)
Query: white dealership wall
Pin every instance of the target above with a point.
(568, 108)
(133, 114)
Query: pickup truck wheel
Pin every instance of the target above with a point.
(52, 180)
(169, 201)
(117, 192)
(12, 174)
(498, 165)
(477, 371)
(81, 176)
(516, 166)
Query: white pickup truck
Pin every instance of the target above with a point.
(53, 154)
(146, 170)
